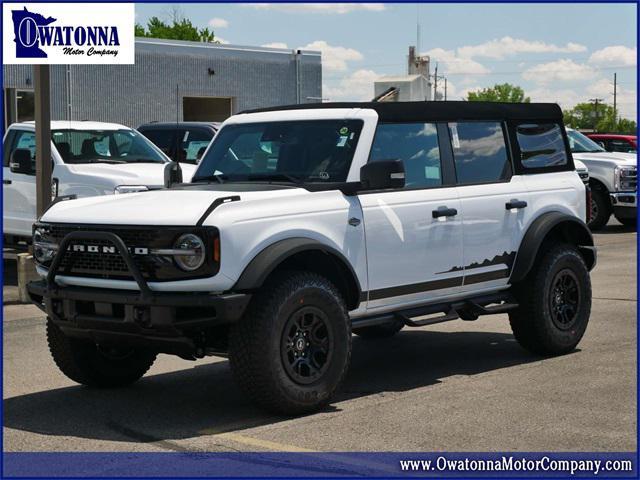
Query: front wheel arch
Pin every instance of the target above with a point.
(302, 254)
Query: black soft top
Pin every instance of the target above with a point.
(440, 111)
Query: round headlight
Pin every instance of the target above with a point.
(194, 253)
(42, 250)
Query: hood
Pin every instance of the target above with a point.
(151, 174)
(619, 158)
(178, 207)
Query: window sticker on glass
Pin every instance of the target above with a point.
(342, 141)
(344, 131)
(455, 140)
(186, 136)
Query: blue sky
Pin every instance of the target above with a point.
(557, 52)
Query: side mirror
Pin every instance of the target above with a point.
(383, 174)
(172, 174)
(20, 162)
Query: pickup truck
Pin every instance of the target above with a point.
(612, 178)
(89, 158)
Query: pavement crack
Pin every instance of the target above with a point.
(619, 299)
(145, 437)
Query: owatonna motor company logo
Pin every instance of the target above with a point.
(69, 33)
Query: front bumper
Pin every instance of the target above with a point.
(624, 199)
(167, 322)
(164, 322)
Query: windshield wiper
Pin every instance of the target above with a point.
(275, 177)
(219, 177)
(142, 160)
(106, 160)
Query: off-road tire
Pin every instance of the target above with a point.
(600, 209)
(386, 330)
(257, 345)
(627, 222)
(85, 363)
(533, 322)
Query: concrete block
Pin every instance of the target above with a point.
(26, 274)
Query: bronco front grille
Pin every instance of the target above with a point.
(106, 263)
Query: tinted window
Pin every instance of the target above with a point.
(194, 143)
(416, 144)
(107, 146)
(163, 139)
(479, 151)
(307, 151)
(541, 145)
(620, 146)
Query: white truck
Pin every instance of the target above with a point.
(89, 158)
(612, 178)
(305, 224)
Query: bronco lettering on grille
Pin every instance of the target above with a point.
(109, 249)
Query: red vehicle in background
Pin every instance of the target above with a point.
(615, 143)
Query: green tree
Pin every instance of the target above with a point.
(601, 119)
(178, 28)
(503, 92)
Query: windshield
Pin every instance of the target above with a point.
(105, 146)
(288, 151)
(582, 144)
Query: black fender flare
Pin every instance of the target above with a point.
(265, 262)
(570, 228)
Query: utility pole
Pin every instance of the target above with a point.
(445, 89)
(43, 137)
(615, 99)
(435, 84)
(596, 102)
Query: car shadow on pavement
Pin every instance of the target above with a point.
(615, 228)
(204, 400)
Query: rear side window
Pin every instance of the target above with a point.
(416, 144)
(194, 144)
(163, 139)
(479, 152)
(541, 145)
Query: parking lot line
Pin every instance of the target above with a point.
(256, 442)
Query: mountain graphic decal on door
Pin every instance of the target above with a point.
(506, 258)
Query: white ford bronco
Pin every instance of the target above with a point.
(89, 158)
(612, 178)
(304, 224)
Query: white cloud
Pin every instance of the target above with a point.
(508, 46)
(617, 55)
(452, 64)
(357, 86)
(327, 8)
(218, 23)
(565, 97)
(563, 70)
(334, 58)
(275, 45)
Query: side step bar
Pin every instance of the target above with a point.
(468, 310)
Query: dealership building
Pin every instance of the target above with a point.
(170, 80)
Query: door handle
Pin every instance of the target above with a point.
(517, 204)
(6, 182)
(444, 212)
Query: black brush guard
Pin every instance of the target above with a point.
(163, 321)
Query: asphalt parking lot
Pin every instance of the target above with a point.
(457, 386)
